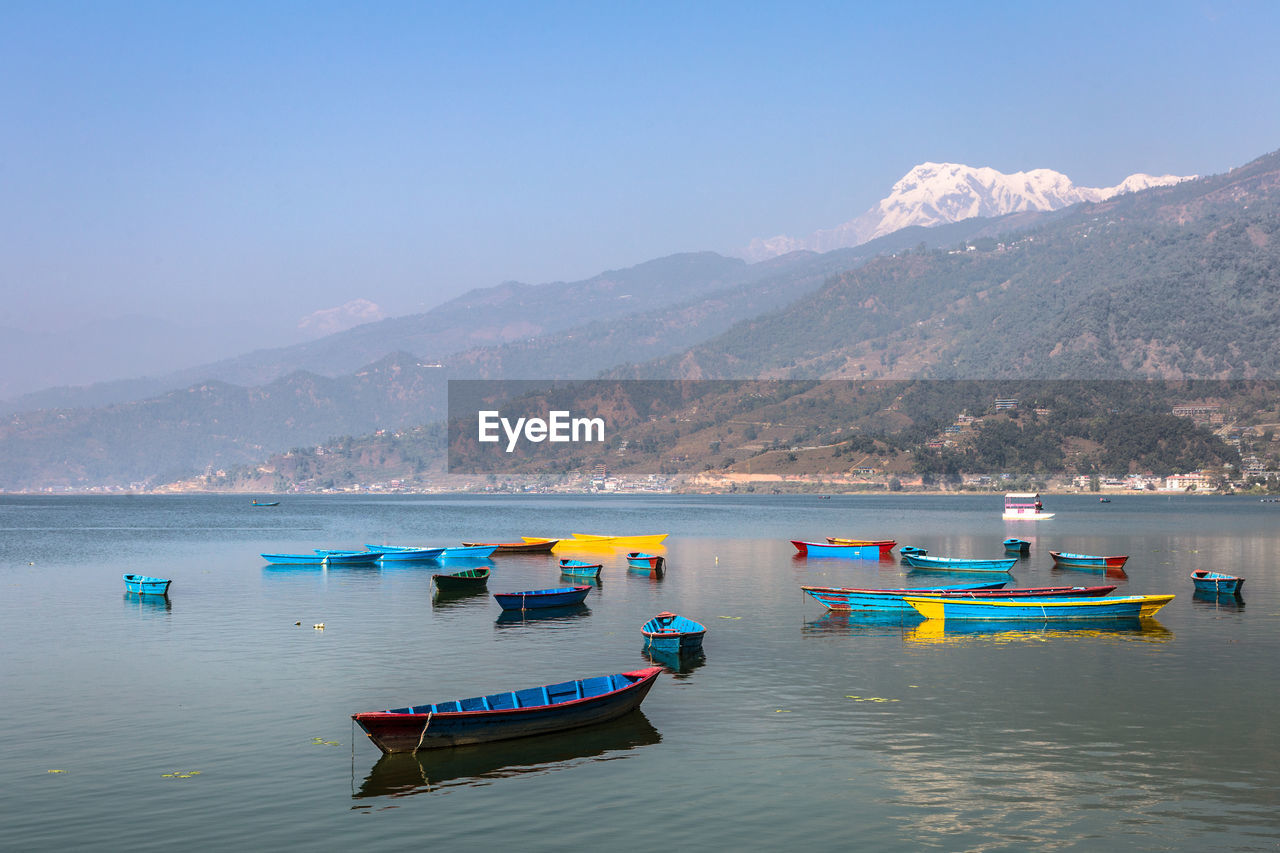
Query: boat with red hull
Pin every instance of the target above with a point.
(513, 714)
(844, 599)
(1088, 561)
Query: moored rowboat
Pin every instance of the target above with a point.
(892, 600)
(1088, 561)
(647, 540)
(1206, 581)
(501, 716)
(528, 546)
(531, 599)
(960, 564)
(826, 549)
(144, 585)
(1116, 607)
(885, 545)
(580, 569)
(463, 581)
(668, 632)
(648, 562)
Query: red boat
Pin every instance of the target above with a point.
(886, 546)
(539, 546)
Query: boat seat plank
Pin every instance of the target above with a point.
(620, 681)
(501, 701)
(446, 707)
(565, 691)
(475, 703)
(403, 711)
(596, 686)
(531, 697)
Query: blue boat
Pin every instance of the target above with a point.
(580, 568)
(912, 551)
(468, 552)
(1019, 546)
(1050, 609)
(501, 716)
(960, 564)
(827, 549)
(256, 502)
(339, 557)
(146, 586)
(668, 632)
(1206, 581)
(531, 599)
(401, 554)
(311, 559)
(1093, 562)
(646, 562)
(892, 600)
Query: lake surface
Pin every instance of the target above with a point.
(220, 719)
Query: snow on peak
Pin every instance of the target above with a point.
(937, 193)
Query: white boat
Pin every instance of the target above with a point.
(1024, 506)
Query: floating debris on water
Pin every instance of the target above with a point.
(180, 774)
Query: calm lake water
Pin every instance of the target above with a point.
(214, 721)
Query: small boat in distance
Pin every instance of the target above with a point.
(463, 581)
(1047, 609)
(647, 562)
(1088, 561)
(960, 564)
(528, 546)
(256, 502)
(501, 716)
(533, 599)
(1018, 546)
(668, 632)
(1024, 506)
(1206, 581)
(144, 585)
(580, 568)
(827, 549)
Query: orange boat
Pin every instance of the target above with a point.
(528, 546)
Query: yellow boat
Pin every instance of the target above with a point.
(1114, 607)
(651, 540)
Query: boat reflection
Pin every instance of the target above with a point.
(1111, 573)
(677, 664)
(1002, 631)
(860, 622)
(1217, 600)
(145, 603)
(458, 598)
(542, 615)
(406, 774)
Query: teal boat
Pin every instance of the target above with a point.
(144, 585)
(580, 568)
(960, 564)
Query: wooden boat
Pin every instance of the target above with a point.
(912, 551)
(528, 546)
(1024, 506)
(960, 564)
(648, 562)
(826, 549)
(532, 599)
(648, 540)
(256, 502)
(311, 559)
(403, 554)
(1206, 581)
(1114, 607)
(1019, 546)
(668, 632)
(467, 552)
(1087, 561)
(580, 569)
(144, 585)
(1104, 500)
(501, 716)
(891, 600)
(466, 580)
(886, 546)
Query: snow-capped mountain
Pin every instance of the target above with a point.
(938, 193)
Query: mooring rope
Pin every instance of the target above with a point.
(423, 736)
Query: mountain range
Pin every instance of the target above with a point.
(1175, 281)
(937, 193)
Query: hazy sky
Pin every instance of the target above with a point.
(243, 164)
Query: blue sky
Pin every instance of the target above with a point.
(235, 166)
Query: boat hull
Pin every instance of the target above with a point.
(892, 600)
(143, 585)
(580, 569)
(1216, 582)
(468, 721)
(826, 549)
(535, 599)
(407, 555)
(1088, 561)
(1053, 609)
(960, 564)
(294, 559)
(462, 581)
(1017, 546)
(886, 546)
(669, 633)
(537, 546)
(648, 540)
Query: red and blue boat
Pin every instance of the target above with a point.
(580, 568)
(1094, 562)
(1216, 582)
(843, 599)
(514, 714)
(645, 562)
(668, 632)
(533, 599)
(827, 549)
(143, 585)
(1017, 546)
(886, 546)
(960, 564)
